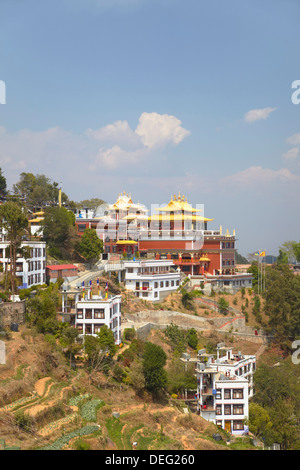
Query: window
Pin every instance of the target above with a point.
(79, 326)
(89, 314)
(238, 425)
(88, 329)
(227, 409)
(218, 409)
(238, 409)
(238, 393)
(80, 313)
(99, 313)
(218, 394)
(162, 284)
(130, 270)
(227, 394)
(156, 285)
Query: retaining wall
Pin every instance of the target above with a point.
(12, 312)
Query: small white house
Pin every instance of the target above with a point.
(224, 386)
(151, 279)
(95, 311)
(31, 270)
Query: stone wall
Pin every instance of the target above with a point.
(12, 312)
(144, 321)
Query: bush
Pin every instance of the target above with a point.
(129, 333)
(24, 422)
(82, 445)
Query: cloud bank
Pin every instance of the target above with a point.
(258, 114)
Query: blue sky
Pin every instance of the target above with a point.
(155, 97)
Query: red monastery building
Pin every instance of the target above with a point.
(180, 233)
(177, 232)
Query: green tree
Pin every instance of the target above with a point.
(186, 299)
(136, 377)
(106, 340)
(223, 305)
(41, 310)
(287, 248)
(93, 203)
(192, 338)
(277, 392)
(38, 190)
(283, 257)
(282, 303)
(3, 187)
(177, 338)
(59, 230)
(181, 377)
(154, 360)
(296, 251)
(14, 220)
(260, 422)
(90, 245)
(71, 341)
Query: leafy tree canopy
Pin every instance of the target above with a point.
(58, 226)
(38, 190)
(282, 303)
(3, 187)
(154, 360)
(90, 246)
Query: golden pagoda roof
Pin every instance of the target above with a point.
(124, 202)
(38, 219)
(179, 203)
(179, 217)
(39, 213)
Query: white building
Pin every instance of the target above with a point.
(224, 386)
(95, 311)
(229, 283)
(32, 270)
(151, 279)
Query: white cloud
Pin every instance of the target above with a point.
(115, 157)
(294, 139)
(257, 175)
(57, 152)
(117, 133)
(157, 130)
(291, 154)
(257, 114)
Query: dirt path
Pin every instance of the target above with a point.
(34, 410)
(40, 386)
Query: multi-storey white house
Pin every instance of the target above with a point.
(224, 386)
(31, 270)
(94, 311)
(150, 279)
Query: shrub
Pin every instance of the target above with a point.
(129, 333)
(24, 421)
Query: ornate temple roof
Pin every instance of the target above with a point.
(124, 203)
(178, 203)
(179, 209)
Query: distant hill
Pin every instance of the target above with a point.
(239, 259)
